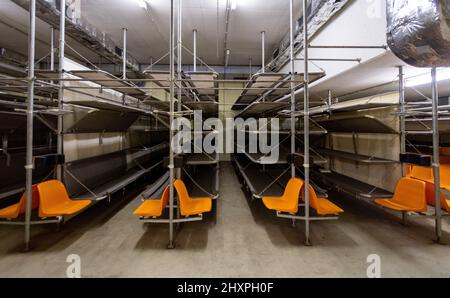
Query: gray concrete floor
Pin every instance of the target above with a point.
(243, 239)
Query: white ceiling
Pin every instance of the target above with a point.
(149, 31)
(148, 34)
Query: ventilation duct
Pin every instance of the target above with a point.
(320, 12)
(419, 31)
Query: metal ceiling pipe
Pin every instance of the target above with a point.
(263, 51)
(30, 117)
(124, 54)
(195, 50)
(227, 28)
(227, 57)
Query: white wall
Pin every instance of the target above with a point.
(361, 23)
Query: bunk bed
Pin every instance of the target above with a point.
(271, 87)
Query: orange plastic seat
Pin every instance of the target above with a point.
(154, 208)
(426, 174)
(445, 203)
(191, 206)
(321, 205)
(421, 173)
(289, 201)
(13, 211)
(409, 196)
(54, 200)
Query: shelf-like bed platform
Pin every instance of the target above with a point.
(268, 87)
(359, 124)
(350, 186)
(354, 157)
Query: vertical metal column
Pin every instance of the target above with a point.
(263, 51)
(124, 54)
(401, 90)
(62, 43)
(171, 244)
(436, 162)
(179, 54)
(306, 120)
(250, 61)
(401, 85)
(30, 115)
(52, 49)
(291, 26)
(195, 50)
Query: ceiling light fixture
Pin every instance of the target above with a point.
(142, 3)
(233, 4)
(443, 74)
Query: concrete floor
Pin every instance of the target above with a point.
(243, 240)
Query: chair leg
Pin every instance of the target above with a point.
(293, 222)
(404, 218)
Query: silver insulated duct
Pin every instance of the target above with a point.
(419, 31)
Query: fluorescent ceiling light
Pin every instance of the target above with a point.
(142, 3)
(233, 4)
(425, 79)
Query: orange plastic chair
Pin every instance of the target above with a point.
(445, 203)
(445, 176)
(421, 173)
(54, 200)
(154, 208)
(289, 201)
(409, 196)
(13, 212)
(191, 206)
(321, 205)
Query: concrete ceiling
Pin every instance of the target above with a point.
(149, 29)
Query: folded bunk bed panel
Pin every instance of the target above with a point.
(257, 180)
(156, 189)
(99, 121)
(350, 186)
(94, 172)
(12, 176)
(107, 80)
(205, 84)
(205, 181)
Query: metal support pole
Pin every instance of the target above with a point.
(171, 244)
(401, 85)
(195, 50)
(30, 114)
(291, 26)
(124, 54)
(306, 120)
(263, 51)
(52, 49)
(180, 77)
(179, 53)
(436, 152)
(251, 66)
(62, 43)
